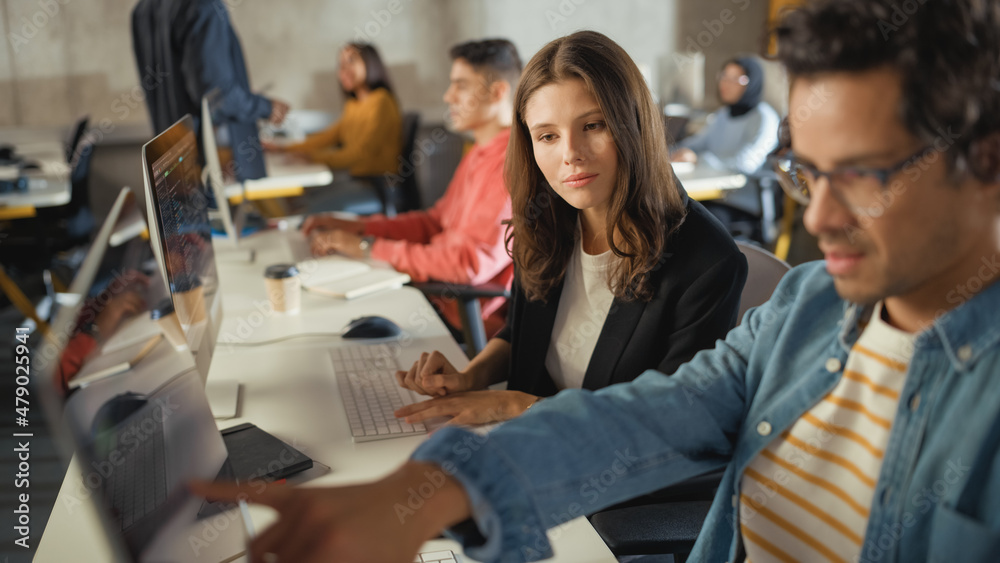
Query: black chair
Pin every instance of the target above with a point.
(669, 520)
(388, 194)
(751, 212)
(29, 243)
(469, 310)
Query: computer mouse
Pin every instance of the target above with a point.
(116, 410)
(6, 152)
(371, 327)
(30, 165)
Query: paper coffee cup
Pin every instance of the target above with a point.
(170, 325)
(284, 288)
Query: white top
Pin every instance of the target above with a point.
(807, 496)
(583, 307)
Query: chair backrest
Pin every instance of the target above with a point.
(764, 272)
(441, 152)
(75, 134)
(409, 192)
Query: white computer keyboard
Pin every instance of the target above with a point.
(436, 557)
(366, 375)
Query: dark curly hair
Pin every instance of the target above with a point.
(947, 53)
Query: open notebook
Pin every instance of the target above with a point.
(346, 279)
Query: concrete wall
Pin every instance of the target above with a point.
(63, 58)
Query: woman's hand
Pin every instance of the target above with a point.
(471, 407)
(434, 375)
(359, 524)
(327, 223)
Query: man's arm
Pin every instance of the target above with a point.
(207, 65)
(538, 470)
(472, 252)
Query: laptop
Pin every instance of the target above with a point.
(138, 435)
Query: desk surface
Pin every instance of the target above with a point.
(282, 175)
(707, 182)
(308, 414)
(47, 187)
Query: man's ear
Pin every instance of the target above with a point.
(499, 90)
(984, 158)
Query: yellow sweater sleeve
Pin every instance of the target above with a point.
(325, 138)
(370, 143)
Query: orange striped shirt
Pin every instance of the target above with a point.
(807, 496)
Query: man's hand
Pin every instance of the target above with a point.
(684, 155)
(358, 524)
(327, 223)
(342, 242)
(279, 110)
(471, 407)
(434, 375)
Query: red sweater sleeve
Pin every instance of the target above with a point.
(78, 348)
(413, 226)
(461, 239)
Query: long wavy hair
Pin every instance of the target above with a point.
(646, 206)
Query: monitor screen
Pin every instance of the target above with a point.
(127, 401)
(180, 231)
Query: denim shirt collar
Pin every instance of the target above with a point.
(965, 332)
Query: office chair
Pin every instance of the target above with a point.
(30, 242)
(368, 195)
(469, 310)
(431, 177)
(34, 244)
(669, 520)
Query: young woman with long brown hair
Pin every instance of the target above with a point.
(617, 271)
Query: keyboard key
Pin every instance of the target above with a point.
(366, 377)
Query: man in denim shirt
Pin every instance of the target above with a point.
(857, 413)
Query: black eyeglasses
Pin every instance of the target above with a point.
(856, 187)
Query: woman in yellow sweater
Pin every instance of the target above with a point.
(366, 140)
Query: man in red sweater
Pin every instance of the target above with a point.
(461, 239)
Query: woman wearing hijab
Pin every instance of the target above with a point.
(740, 135)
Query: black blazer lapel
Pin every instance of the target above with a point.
(615, 336)
(528, 371)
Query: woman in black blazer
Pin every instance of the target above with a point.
(598, 210)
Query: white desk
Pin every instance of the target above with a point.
(47, 187)
(285, 178)
(706, 182)
(288, 392)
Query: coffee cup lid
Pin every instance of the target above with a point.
(281, 271)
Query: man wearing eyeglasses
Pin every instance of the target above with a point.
(857, 413)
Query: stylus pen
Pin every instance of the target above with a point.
(247, 522)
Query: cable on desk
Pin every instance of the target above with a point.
(282, 339)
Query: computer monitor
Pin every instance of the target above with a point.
(139, 435)
(233, 220)
(181, 235)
